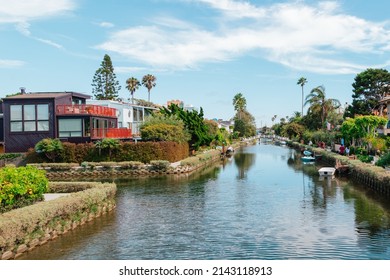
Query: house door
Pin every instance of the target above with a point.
(100, 127)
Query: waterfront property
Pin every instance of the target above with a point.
(129, 116)
(31, 117)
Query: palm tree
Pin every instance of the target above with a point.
(149, 81)
(239, 103)
(132, 85)
(320, 104)
(302, 81)
(273, 119)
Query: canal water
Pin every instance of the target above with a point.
(262, 203)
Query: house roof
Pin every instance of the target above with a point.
(47, 95)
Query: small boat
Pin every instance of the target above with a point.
(308, 159)
(229, 151)
(327, 171)
(307, 153)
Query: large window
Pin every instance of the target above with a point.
(29, 117)
(70, 128)
(138, 115)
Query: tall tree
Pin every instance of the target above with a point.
(193, 122)
(302, 81)
(244, 124)
(361, 128)
(239, 103)
(320, 104)
(149, 81)
(132, 85)
(369, 88)
(104, 84)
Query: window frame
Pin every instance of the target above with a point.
(28, 119)
(71, 133)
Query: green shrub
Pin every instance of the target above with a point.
(59, 166)
(384, 160)
(361, 151)
(108, 145)
(191, 161)
(9, 156)
(164, 132)
(164, 128)
(52, 148)
(205, 157)
(130, 164)
(21, 186)
(365, 158)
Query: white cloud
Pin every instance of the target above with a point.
(24, 29)
(236, 9)
(297, 35)
(23, 11)
(106, 24)
(129, 70)
(49, 42)
(4, 63)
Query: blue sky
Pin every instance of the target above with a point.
(201, 51)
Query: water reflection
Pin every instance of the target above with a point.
(372, 221)
(244, 161)
(263, 203)
(371, 211)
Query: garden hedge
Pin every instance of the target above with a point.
(126, 151)
(24, 225)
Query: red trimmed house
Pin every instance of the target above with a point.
(31, 117)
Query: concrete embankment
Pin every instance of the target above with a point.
(72, 171)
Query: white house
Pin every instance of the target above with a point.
(226, 125)
(129, 115)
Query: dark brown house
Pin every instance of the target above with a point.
(31, 117)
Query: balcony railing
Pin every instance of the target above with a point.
(118, 133)
(93, 110)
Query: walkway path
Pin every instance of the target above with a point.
(51, 196)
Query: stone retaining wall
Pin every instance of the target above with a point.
(116, 171)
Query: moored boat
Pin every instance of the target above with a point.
(308, 159)
(327, 171)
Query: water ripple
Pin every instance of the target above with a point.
(261, 205)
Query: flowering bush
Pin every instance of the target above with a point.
(21, 186)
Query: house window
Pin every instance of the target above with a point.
(70, 128)
(29, 117)
(138, 115)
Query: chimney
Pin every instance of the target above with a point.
(23, 90)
